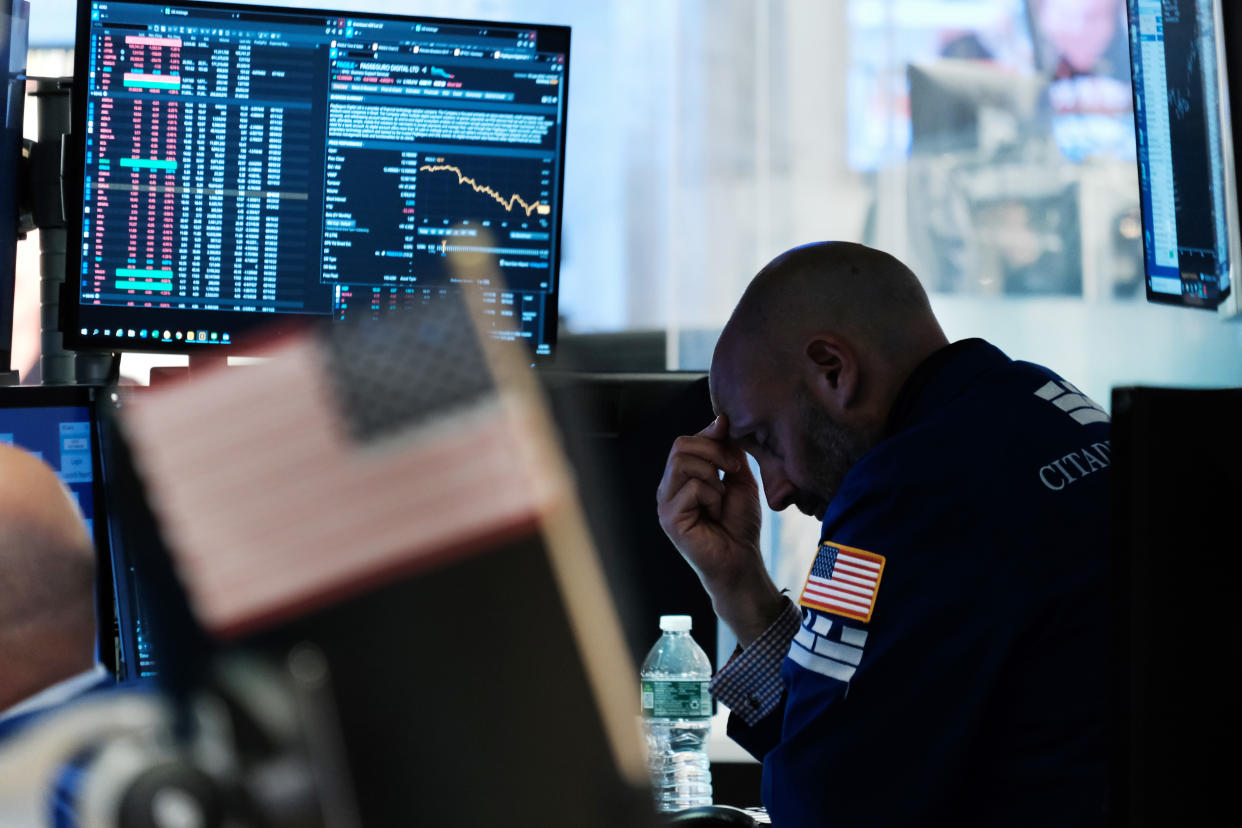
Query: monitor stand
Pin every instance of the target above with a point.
(200, 362)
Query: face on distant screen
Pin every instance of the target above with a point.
(1081, 30)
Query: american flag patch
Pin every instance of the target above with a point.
(843, 581)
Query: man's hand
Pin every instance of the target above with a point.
(714, 523)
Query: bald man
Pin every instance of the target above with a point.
(944, 662)
(47, 583)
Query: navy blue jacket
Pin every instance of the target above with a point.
(975, 691)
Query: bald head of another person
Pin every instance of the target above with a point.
(47, 580)
(809, 365)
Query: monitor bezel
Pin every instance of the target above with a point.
(1183, 300)
(252, 339)
(1229, 75)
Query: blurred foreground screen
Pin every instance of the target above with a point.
(394, 495)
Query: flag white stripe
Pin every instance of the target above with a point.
(869, 582)
(857, 561)
(856, 637)
(831, 582)
(840, 652)
(821, 665)
(821, 626)
(838, 599)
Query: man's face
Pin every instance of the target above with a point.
(803, 454)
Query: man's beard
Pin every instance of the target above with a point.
(831, 452)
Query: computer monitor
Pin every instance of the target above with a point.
(952, 98)
(14, 31)
(1170, 479)
(1184, 150)
(246, 166)
(60, 424)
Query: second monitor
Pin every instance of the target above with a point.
(1182, 133)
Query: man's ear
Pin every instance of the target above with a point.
(832, 372)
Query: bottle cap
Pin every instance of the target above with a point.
(676, 623)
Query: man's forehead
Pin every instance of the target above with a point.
(733, 394)
(723, 377)
(713, 390)
(745, 370)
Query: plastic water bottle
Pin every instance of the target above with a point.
(677, 710)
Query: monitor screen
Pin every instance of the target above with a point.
(246, 165)
(1180, 123)
(61, 426)
(61, 436)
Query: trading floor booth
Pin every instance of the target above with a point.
(404, 565)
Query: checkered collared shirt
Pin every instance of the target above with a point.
(750, 684)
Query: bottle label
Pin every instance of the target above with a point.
(676, 699)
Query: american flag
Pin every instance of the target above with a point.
(843, 581)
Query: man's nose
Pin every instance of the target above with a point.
(777, 488)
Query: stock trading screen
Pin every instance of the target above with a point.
(246, 164)
(1179, 122)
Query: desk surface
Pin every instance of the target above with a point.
(736, 775)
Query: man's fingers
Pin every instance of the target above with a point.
(717, 429)
(687, 504)
(685, 467)
(742, 475)
(692, 491)
(722, 455)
